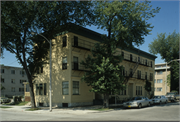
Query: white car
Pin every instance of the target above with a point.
(137, 102)
(160, 99)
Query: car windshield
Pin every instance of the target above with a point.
(157, 97)
(170, 93)
(136, 98)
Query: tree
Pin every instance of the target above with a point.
(168, 47)
(148, 87)
(2, 87)
(125, 22)
(19, 19)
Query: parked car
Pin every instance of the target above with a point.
(137, 102)
(160, 99)
(5, 100)
(151, 101)
(172, 96)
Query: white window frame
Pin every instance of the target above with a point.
(65, 88)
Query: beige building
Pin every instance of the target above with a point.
(12, 79)
(70, 48)
(161, 87)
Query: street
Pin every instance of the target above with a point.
(164, 112)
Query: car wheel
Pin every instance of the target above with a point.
(160, 103)
(166, 102)
(139, 106)
(149, 104)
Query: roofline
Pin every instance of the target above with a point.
(10, 66)
(98, 38)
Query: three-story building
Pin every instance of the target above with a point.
(70, 48)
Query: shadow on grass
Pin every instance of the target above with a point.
(33, 109)
(5, 107)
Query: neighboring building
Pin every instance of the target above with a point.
(70, 48)
(161, 87)
(12, 79)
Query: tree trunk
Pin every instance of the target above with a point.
(106, 101)
(31, 90)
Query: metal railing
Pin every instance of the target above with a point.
(83, 44)
(78, 66)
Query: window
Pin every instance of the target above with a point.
(2, 70)
(154, 80)
(41, 69)
(122, 54)
(138, 90)
(75, 87)
(145, 75)
(159, 80)
(2, 80)
(146, 62)
(151, 76)
(40, 89)
(12, 89)
(64, 63)
(130, 57)
(12, 71)
(64, 41)
(131, 72)
(159, 72)
(65, 88)
(21, 89)
(21, 81)
(44, 88)
(123, 92)
(22, 73)
(159, 89)
(38, 70)
(151, 63)
(154, 73)
(12, 81)
(37, 89)
(75, 62)
(139, 74)
(75, 41)
(154, 89)
(139, 59)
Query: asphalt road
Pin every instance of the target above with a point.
(164, 112)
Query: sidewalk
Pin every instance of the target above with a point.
(73, 110)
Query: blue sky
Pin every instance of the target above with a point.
(166, 21)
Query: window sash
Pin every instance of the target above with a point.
(159, 80)
(75, 87)
(65, 88)
(64, 41)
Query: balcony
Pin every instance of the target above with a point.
(135, 59)
(141, 76)
(82, 44)
(78, 67)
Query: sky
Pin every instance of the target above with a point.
(166, 21)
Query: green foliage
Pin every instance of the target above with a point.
(125, 21)
(105, 75)
(148, 86)
(2, 87)
(168, 47)
(168, 80)
(5, 107)
(19, 19)
(33, 109)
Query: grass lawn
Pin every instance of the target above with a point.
(17, 103)
(5, 107)
(33, 109)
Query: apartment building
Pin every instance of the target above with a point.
(70, 48)
(12, 79)
(160, 87)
